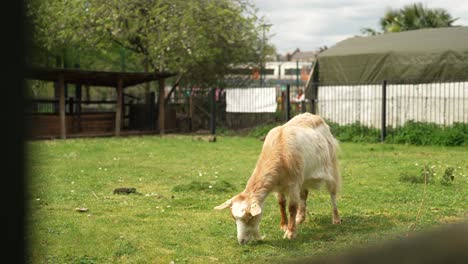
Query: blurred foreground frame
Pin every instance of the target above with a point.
(443, 244)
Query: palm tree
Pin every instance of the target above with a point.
(410, 17)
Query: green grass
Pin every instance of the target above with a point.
(178, 181)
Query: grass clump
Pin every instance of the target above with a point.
(448, 177)
(125, 249)
(425, 176)
(197, 186)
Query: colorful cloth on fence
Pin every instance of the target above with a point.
(251, 100)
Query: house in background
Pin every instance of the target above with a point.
(293, 68)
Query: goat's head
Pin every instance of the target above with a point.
(247, 213)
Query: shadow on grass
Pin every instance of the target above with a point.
(320, 229)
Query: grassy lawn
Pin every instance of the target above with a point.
(179, 180)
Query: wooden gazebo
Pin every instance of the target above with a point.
(119, 80)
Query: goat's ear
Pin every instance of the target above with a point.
(255, 209)
(224, 205)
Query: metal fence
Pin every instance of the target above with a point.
(390, 104)
(443, 103)
(256, 106)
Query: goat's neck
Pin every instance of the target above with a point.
(258, 187)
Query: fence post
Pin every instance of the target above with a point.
(151, 105)
(78, 94)
(383, 131)
(70, 105)
(288, 103)
(212, 111)
(314, 88)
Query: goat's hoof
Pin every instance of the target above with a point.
(300, 220)
(259, 237)
(337, 221)
(284, 227)
(289, 235)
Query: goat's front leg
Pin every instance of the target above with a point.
(294, 198)
(282, 205)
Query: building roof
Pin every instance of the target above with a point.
(425, 55)
(96, 78)
(303, 56)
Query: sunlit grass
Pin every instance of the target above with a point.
(178, 181)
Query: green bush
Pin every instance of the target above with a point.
(354, 133)
(262, 130)
(418, 133)
(415, 133)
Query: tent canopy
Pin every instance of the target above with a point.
(425, 55)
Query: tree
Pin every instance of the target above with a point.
(198, 39)
(410, 17)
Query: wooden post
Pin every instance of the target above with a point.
(71, 105)
(147, 85)
(78, 96)
(57, 97)
(58, 64)
(151, 109)
(88, 95)
(303, 106)
(191, 109)
(63, 126)
(122, 105)
(161, 108)
(118, 108)
(213, 111)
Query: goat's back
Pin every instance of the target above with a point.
(305, 148)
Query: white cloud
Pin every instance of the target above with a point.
(309, 24)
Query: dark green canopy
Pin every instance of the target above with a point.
(426, 55)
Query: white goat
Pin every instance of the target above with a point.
(296, 156)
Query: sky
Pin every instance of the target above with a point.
(310, 24)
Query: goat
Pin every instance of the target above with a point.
(297, 156)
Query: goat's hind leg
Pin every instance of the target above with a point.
(335, 215)
(301, 212)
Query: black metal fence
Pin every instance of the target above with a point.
(392, 104)
(256, 106)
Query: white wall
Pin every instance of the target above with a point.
(280, 67)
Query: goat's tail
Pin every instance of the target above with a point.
(333, 147)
